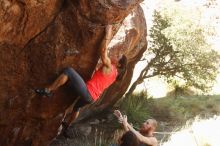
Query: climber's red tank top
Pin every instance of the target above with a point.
(99, 82)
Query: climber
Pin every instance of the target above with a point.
(109, 71)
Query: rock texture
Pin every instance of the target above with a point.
(38, 38)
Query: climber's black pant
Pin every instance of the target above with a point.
(79, 87)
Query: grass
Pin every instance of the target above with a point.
(184, 108)
(97, 138)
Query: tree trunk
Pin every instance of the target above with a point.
(133, 87)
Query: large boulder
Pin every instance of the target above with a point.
(38, 39)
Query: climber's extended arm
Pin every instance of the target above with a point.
(104, 46)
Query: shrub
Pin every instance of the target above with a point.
(136, 108)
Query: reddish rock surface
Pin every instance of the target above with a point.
(38, 38)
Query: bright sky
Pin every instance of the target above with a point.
(157, 87)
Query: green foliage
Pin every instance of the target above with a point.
(184, 108)
(179, 48)
(135, 107)
(180, 89)
(139, 107)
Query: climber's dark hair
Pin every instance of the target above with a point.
(122, 67)
(129, 139)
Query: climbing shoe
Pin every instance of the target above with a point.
(43, 92)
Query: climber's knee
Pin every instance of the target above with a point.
(68, 71)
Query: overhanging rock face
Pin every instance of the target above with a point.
(38, 39)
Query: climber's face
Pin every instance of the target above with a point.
(119, 61)
(114, 60)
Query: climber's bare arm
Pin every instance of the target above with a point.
(104, 46)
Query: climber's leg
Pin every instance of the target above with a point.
(78, 85)
(62, 79)
(75, 112)
(72, 117)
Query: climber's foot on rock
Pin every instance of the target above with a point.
(43, 92)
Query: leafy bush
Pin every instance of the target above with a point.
(140, 107)
(136, 108)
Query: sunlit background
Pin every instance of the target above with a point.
(201, 132)
(155, 86)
